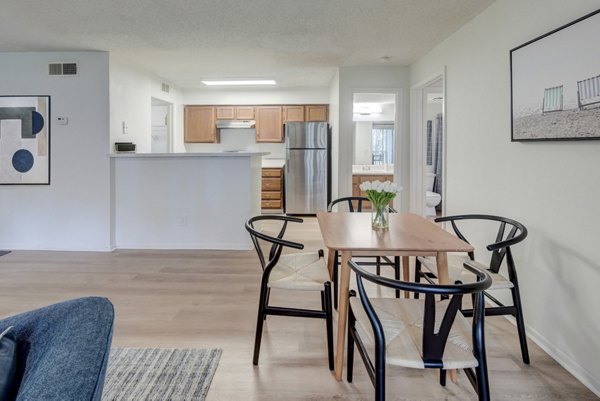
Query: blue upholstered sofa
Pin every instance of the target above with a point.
(62, 350)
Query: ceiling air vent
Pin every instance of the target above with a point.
(62, 69)
(165, 87)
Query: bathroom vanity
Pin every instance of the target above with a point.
(365, 173)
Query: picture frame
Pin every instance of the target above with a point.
(25, 140)
(555, 84)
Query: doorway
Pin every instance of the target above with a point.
(161, 127)
(428, 145)
(374, 120)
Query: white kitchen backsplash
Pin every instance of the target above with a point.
(239, 139)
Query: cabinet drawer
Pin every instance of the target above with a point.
(271, 195)
(271, 172)
(271, 184)
(271, 204)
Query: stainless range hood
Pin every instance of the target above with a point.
(235, 124)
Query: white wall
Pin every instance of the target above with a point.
(239, 139)
(551, 187)
(73, 212)
(334, 121)
(197, 202)
(265, 96)
(369, 80)
(363, 142)
(131, 93)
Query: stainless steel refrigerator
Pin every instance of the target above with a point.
(306, 167)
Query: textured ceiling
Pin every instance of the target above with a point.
(296, 42)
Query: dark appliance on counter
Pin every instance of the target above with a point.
(124, 147)
(307, 167)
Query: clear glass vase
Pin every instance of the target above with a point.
(380, 217)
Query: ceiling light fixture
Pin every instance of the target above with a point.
(241, 82)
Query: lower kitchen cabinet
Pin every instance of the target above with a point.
(272, 188)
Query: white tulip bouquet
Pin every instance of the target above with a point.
(380, 194)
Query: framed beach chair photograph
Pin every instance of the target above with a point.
(555, 84)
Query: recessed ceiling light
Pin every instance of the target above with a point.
(241, 82)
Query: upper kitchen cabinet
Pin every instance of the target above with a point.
(315, 112)
(293, 113)
(235, 112)
(244, 113)
(200, 124)
(269, 124)
(225, 112)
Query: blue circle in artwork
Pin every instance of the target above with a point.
(37, 122)
(22, 160)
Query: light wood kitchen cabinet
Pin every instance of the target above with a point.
(315, 112)
(269, 124)
(235, 112)
(200, 124)
(244, 113)
(272, 188)
(293, 113)
(225, 112)
(359, 179)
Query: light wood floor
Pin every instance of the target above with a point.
(209, 299)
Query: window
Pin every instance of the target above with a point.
(383, 143)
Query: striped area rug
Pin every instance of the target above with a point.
(138, 374)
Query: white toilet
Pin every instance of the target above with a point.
(432, 199)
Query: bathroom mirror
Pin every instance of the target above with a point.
(374, 117)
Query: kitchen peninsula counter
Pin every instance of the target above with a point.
(184, 200)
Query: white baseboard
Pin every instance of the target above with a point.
(43, 247)
(566, 361)
(183, 246)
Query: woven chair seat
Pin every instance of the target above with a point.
(305, 271)
(456, 271)
(402, 321)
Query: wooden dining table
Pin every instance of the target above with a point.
(408, 235)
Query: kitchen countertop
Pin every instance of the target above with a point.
(371, 171)
(273, 163)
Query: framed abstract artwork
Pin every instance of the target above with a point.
(555, 84)
(24, 140)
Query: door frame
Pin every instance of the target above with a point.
(418, 94)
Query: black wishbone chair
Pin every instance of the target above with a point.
(355, 204)
(510, 232)
(298, 271)
(402, 332)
